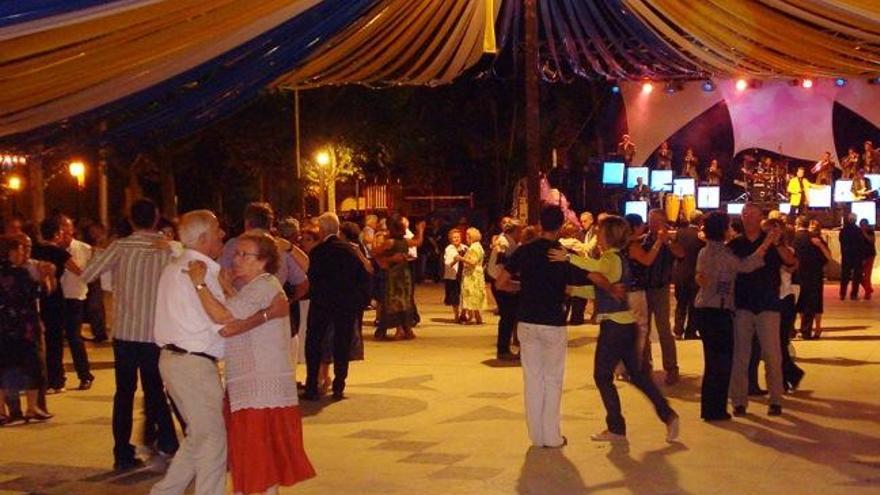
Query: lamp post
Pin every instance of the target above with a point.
(14, 185)
(326, 159)
(77, 170)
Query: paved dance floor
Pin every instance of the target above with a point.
(438, 415)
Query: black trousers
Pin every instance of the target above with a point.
(95, 314)
(685, 294)
(64, 320)
(717, 335)
(617, 342)
(507, 306)
(787, 314)
(129, 359)
(850, 272)
(321, 320)
(578, 306)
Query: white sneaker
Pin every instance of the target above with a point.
(607, 436)
(672, 429)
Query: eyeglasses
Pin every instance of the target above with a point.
(244, 254)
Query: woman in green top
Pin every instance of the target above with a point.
(397, 309)
(473, 282)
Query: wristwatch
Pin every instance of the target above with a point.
(201, 286)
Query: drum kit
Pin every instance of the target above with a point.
(763, 184)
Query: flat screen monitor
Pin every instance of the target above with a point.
(819, 197)
(843, 191)
(612, 173)
(632, 173)
(684, 186)
(708, 197)
(661, 180)
(866, 210)
(735, 208)
(785, 208)
(874, 179)
(640, 208)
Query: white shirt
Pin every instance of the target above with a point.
(180, 317)
(450, 265)
(412, 252)
(72, 284)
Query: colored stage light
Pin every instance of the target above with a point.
(708, 86)
(615, 89)
(840, 82)
(807, 83)
(647, 88)
(741, 85)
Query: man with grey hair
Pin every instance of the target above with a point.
(191, 345)
(339, 290)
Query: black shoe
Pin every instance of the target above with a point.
(739, 411)
(128, 464)
(338, 395)
(719, 417)
(507, 356)
(312, 395)
(691, 336)
(757, 392)
(796, 381)
(774, 410)
(86, 384)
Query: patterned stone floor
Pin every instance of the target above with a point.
(438, 415)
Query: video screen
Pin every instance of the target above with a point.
(843, 191)
(819, 197)
(785, 208)
(612, 173)
(684, 186)
(708, 197)
(632, 173)
(638, 207)
(661, 180)
(865, 210)
(735, 208)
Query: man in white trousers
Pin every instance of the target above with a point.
(191, 345)
(542, 327)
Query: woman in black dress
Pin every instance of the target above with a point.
(19, 331)
(812, 254)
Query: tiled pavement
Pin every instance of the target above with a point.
(438, 415)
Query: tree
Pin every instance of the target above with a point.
(332, 164)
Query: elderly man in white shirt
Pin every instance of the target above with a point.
(75, 291)
(191, 344)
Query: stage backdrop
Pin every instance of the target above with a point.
(777, 116)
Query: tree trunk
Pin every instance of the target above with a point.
(533, 101)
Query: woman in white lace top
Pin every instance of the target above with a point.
(264, 427)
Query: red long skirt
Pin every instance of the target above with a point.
(266, 449)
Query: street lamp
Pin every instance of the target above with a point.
(13, 183)
(78, 171)
(323, 158)
(327, 158)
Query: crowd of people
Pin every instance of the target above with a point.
(186, 295)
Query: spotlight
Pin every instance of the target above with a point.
(647, 87)
(615, 89)
(840, 82)
(708, 86)
(807, 83)
(673, 86)
(741, 85)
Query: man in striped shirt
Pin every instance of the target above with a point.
(136, 263)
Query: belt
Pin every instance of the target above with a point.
(178, 350)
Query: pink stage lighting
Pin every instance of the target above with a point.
(807, 83)
(647, 87)
(741, 84)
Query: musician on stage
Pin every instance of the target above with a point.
(797, 190)
(664, 157)
(871, 158)
(850, 164)
(714, 175)
(627, 149)
(641, 192)
(861, 186)
(823, 169)
(690, 165)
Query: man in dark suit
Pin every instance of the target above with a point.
(339, 283)
(852, 254)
